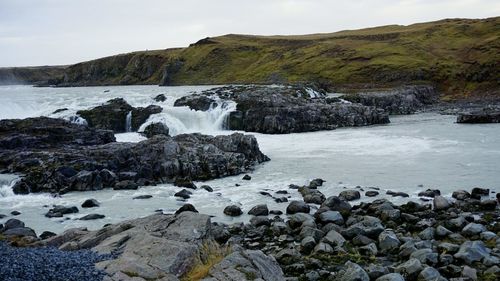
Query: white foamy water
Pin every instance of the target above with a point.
(425, 149)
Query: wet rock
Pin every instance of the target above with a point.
(160, 98)
(334, 239)
(485, 115)
(427, 234)
(334, 203)
(90, 203)
(113, 114)
(425, 256)
(349, 195)
(186, 208)
(315, 183)
(313, 196)
(371, 193)
(397, 194)
(488, 205)
(21, 187)
(331, 217)
(276, 212)
(478, 192)
(246, 177)
(19, 231)
(92, 217)
(279, 110)
(59, 211)
(154, 129)
(207, 188)
(297, 207)
(185, 182)
(142, 197)
(184, 194)
(126, 185)
(430, 193)
(15, 213)
(461, 195)
(442, 231)
(440, 203)
(47, 234)
(233, 211)
(260, 221)
(259, 210)
(13, 223)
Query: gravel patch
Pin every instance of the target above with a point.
(21, 264)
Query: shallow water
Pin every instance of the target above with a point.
(411, 154)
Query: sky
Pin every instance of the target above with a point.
(59, 32)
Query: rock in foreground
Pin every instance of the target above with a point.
(482, 116)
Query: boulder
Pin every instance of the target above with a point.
(297, 207)
(186, 208)
(126, 185)
(478, 192)
(160, 98)
(330, 217)
(430, 193)
(473, 229)
(391, 277)
(154, 129)
(59, 211)
(472, 251)
(334, 203)
(90, 203)
(349, 195)
(142, 197)
(461, 195)
(410, 268)
(233, 211)
(19, 231)
(259, 210)
(440, 203)
(184, 194)
(388, 241)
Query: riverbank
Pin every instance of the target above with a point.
(451, 238)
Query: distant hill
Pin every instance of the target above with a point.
(460, 56)
(29, 75)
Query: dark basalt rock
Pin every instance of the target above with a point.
(113, 114)
(141, 197)
(202, 103)
(154, 129)
(43, 132)
(160, 98)
(405, 100)
(233, 211)
(92, 217)
(65, 163)
(185, 194)
(486, 115)
(430, 193)
(186, 208)
(281, 110)
(59, 211)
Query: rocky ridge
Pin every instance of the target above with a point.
(58, 156)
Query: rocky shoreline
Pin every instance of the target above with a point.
(449, 239)
(57, 156)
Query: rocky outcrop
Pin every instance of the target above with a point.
(181, 242)
(281, 110)
(154, 129)
(405, 100)
(114, 113)
(487, 115)
(86, 159)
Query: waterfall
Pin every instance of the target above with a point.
(185, 120)
(128, 122)
(6, 183)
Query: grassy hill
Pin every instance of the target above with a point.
(460, 56)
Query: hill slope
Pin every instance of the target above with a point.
(460, 56)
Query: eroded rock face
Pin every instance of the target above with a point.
(113, 115)
(281, 110)
(72, 164)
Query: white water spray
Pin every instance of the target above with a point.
(128, 122)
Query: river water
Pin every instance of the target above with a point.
(410, 154)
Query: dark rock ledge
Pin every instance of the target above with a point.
(281, 110)
(57, 156)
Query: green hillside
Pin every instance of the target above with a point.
(460, 56)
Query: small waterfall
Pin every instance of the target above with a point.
(128, 122)
(184, 120)
(6, 184)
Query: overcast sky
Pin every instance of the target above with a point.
(49, 32)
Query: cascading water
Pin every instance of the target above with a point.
(185, 120)
(128, 122)
(6, 183)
